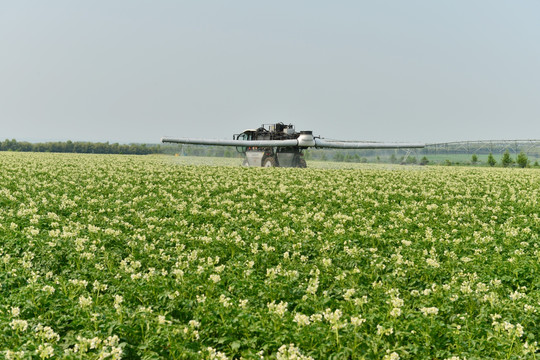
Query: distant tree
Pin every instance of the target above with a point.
(114, 148)
(491, 160)
(447, 162)
(522, 159)
(474, 159)
(536, 163)
(506, 160)
(424, 161)
(411, 160)
(393, 159)
(68, 146)
(11, 145)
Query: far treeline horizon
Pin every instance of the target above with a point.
(484, 157)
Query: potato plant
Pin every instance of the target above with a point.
(109, 257)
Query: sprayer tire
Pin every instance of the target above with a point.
(269, 162)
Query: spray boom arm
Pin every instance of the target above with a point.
(304, 140)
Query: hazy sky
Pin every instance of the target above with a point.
(134, 71)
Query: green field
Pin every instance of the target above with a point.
(147, 257)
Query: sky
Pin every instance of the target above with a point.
(132, 71)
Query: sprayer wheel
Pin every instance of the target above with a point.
(270, 162)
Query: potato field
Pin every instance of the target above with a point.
(138, 257)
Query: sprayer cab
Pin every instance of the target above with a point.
(260, 154)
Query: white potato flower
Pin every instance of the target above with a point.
(291, 352)
(278, 309)
(357, 320)
(392, 356)
(48, 289)
(85, 301)
(429, 311)
(45, 351)
(301, 319)
(432, 262)
(15, 311)
(225, 301)
(18, 324)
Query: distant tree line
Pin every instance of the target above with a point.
(115, 148)
(79, 147)
(356, 156)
